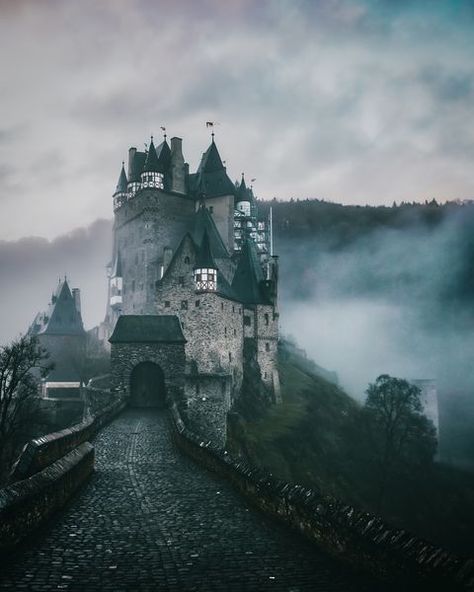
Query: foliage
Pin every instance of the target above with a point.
(318, 437)
(399, 434)
(21, 362)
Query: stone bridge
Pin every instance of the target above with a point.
(152, 519)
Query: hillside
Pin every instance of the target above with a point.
(316, 437)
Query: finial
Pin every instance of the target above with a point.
(212, 135)
(162, 127)
(151, 137)
(242, 176)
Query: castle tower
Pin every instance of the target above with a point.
(120, 195)
(151, 176)
(205, 269)
(243, 199)
(213, 188)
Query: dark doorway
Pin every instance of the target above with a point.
(147, 386)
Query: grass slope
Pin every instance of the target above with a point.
(315, 437)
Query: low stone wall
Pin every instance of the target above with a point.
(357, 538)
(45, 450)
(27, 504)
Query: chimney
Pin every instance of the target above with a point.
(178, 167)
(131, 155)
(76, 294)
(167, 256)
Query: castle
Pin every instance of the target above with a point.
(192, 286)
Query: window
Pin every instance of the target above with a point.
(197, 303)
(167, 303)
(184, 305)
(181, 281)
(225, 331)
(230, 357)
(233, 308)
(211, 209)
(235, 333)
(264, 375)
(267, 346)
(247, 321)
(266, 319)
(222, 306)
(186, 259)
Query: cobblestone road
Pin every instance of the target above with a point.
(150, 519)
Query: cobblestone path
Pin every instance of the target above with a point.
(151, 519)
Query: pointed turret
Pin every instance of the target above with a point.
(243, 199)
(122, 182)
(204, 256)
(211, 178)
(205, 269)
(151, 176)
(120, 194)
(151, 162)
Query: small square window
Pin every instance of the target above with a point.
(247, 321)
(181, 281)
(267, 347)
(167, 303)
(211, 209)
(184, 305)
(197, 303)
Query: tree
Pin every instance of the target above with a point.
(401, 436)
(21, 363)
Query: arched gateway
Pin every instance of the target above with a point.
(148, 360)
(147, 386)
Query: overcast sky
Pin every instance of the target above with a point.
(359, 101)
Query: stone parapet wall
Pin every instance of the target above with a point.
(355, 537)
(45, 450)
(27, 504)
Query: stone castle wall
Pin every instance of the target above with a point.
(211, 324)
(144, 226)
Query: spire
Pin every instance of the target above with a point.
(122, 181)
(151, 162)
(204, 258)
(243, 192)
(211, 160)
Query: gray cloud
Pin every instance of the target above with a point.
(30, 269)
(335, 98)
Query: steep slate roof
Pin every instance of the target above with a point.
(211, 179)
(249, 275)
(244, 193)
(204, 258)
(147, 329)
(138, 162)
(164, 156)
(151, 163)
(62, 317)
(203, 222)
(122, 182)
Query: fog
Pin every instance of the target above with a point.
(393, 301)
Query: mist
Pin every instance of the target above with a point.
(31, 267)
(395, 301)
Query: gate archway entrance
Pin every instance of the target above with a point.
(147, 386)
